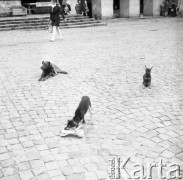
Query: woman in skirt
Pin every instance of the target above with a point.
(55, 19)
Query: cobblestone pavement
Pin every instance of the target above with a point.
(107, 64)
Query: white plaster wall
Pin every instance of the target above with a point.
(107, 8)
(181, 7)
(156, 7)
(134, 8)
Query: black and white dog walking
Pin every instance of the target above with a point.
(83, 107)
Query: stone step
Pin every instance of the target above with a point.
(27, 18)
(45, 27)
(42, 22)
(45, 20)
(46, 24)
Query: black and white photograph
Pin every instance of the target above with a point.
(91, 89)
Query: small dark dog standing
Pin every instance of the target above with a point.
(147, 77)
(80, 112)
(49, 70)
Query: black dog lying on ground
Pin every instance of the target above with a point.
(49, 70)
(147, 77)
(80, 112)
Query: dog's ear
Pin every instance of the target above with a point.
(49, 63)
(151, 67)
(145, 67)
(42, 62)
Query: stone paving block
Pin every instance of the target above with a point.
(102, 175)
(48, 158)
(44, 176)
(13, 141)
(90, 176)
(63, 163)
(8, 171)
(180, 156)
(156, 139)
(67, 171)
(42, 147)
(76, 177)
(1, 174)
(59, 178)
(78, 168)
(5, 156)
(91, 167)
(27, 144)
(23, 166)
(13, 177)
(54, 173)
(36, 163)
(45, 153)
(73, 161)
(51, 165)
(163, 136)
(26, 175)
(167, 154)
(3, 150)
(39, 170)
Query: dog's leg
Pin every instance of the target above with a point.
(90, 110)
(83, 118)
(45, 78)
(42, 77)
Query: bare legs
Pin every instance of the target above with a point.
(55, 31)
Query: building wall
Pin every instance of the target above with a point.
(124, 8)
(148, 8)
(134, 8)
(6, 5)
(181, 7)
(96, 9)
(107, 8)
(156, 7)
(129, 8)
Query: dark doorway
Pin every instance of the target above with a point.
(116, 4)
(141, 6)
(89, 3)
(116, 8)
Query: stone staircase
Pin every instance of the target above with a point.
(41, 22)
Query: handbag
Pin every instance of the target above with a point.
(50, 28)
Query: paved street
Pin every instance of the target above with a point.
(107, 64)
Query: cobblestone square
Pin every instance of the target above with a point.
(106, 63)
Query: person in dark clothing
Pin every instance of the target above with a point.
(60, 2)
(84, 7)
(173, 9)
(55, 19)
(78, 7)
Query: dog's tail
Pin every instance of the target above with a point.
(62, 72)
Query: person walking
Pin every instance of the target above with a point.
(55, 19)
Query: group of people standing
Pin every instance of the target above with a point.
(82, 7)
(169, 8)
